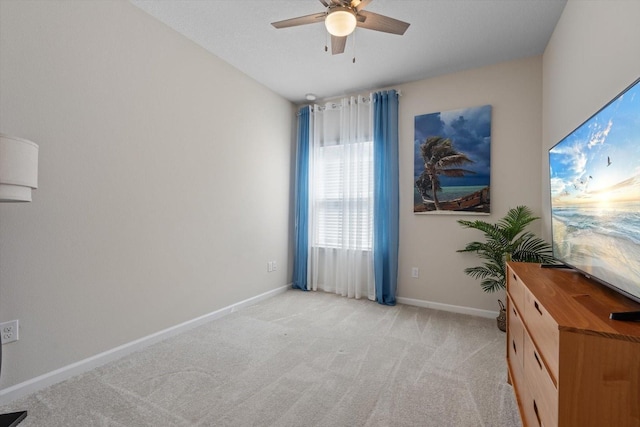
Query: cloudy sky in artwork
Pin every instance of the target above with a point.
(470, 132)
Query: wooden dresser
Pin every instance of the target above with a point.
(569, 364)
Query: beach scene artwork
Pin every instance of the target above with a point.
(452, 162)
(595, 195)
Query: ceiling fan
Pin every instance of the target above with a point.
(341, 18)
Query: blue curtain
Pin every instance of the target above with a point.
(301, 230)
(386, 195)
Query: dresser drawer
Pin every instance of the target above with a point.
(516, 289)
(544, 332)
(528, 409)
(543, 403)
(515, 349)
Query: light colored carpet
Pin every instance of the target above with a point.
(299, 359)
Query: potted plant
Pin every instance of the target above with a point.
(506, 240)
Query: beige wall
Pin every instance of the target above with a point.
(164, 181)
(160, 200)
(429, 242)
(593, 55)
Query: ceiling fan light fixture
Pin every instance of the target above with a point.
(340, 22)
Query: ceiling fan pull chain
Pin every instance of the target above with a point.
(354, 47)
(326, 41)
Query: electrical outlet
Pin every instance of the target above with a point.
(9, 331)
(271, 266)
(415, 273)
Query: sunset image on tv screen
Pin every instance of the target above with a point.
(595, 194)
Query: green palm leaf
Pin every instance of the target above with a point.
(507, 239)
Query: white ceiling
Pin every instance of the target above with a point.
(445, 36)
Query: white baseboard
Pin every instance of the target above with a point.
(447, 307)
(33, 385)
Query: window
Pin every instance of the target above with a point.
(342, 200)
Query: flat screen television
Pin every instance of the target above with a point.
(595, 195)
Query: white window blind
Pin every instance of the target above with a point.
(343, 196)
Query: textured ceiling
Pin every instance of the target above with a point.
(445, 36)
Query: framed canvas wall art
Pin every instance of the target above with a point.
(452, 162)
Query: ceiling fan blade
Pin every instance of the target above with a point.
(376, 22)
(338, 44)
(324, 3)
(361, 5)
(300, 20)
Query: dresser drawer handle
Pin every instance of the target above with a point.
(535, 304)
(535, 409)
(515, 313)
(537, 359)
(514, 346)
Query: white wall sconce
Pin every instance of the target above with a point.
(18, 169)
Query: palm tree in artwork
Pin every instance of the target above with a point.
(440, 158)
